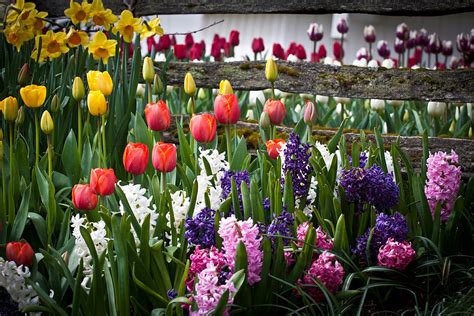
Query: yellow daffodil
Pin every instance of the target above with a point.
(127, 26)
(10, 108)
(151, 28)
(39, 22)
(102, 48)
(20, 10)
(75, 38)
(17, 34)
(78, 12)
(101, 16)
(96, 103)
(53, 45)
(33, 95)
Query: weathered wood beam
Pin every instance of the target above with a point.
(411, 145)
(385, 7)
(346, 81)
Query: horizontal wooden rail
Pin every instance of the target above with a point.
(56, 8)
(346, 81)
(411, 145)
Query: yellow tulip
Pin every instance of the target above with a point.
(225, 87)
(271, 70)
(47, 124)
(93, 77)
(10, 108)
(189, 84)
(105, 83)
(78, 90)
(2, 105)
(96, 103)
(148, 70)
(33, 95)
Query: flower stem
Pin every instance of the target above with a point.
(228, 143)
(36, 138)
(50, 158)
(370, 51)
(79, 129)
(149, 94)
(163, 182)
(11, 207)
(4, 193)
(99, 144)
(104, 143)
(273, 90)
(342, 48)
(342, 112)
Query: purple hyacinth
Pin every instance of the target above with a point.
(386, 226)
(281, 226)
(200, 229)
(239, 177)
(297, 163)
(172, 293)
(362, 159)
(371, 186)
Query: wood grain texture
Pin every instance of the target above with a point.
(346, 81)
(384, 7)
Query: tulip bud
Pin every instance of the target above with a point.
(140, 91)
(315, 32)
(55, 103)
(225, 87)
(399, 46)
(164, 157)
(10, 108)
(201, 94)
(395, 103)
(436, 109)
(309, 113)
(102, 181)
(369, 34)
(447, 48)
(20, 117)
(322, 99)
(271, 70)
(226, 109)
(189, 85)
(434, 44)
(20, 252)
(452, 127)
(203, 127)
(382, 49)
(411, 41)
(96, 103)
(105, 83)
(274, 147)
(157, 85)
(148, 70)
(47, 124)
(342, 26)
(189, 106)
(406, 116)
(157, 116)
(78, 91)
(276, 111)
(402, 31)
(24, 75)
(264, 120)
(83, 198)
(135, 158)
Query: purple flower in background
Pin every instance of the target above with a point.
(447, 48)
(296, 161)
(402, 31)
(323, 241)
(443, 182)
(411, 41)
(200, 229)
(226, 182)
(396, 255)
(434, 44)
(172, 293)
(362, 53)
(342, 26)
(369, 33)
(462, 42)
(281, 226)
(315, 32)
(422, 38)
(382, 49)
(399, 46)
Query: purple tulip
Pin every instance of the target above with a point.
(447, 48)
(422, 38)
(342, 26)
(454, 62)
(411, 41)
(382, 49)
(315, 32)
(399, 46)
(462, 42)
(434, 44)
(369, 34)
(402, 31)
(362, 53)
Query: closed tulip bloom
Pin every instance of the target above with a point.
(264, 120)
(20, 252)
(24, 75)
(135, 158)
(10, 108)
(148, 70)
(180, 51)
(271, 70)
(369, 33)
(83, 198)
(105, 83)
(436, 109)
(46, 123)
(399, 46)
(402, 31)
(434, 44)
(157, 116)
(78, 91)
(225, 87)
(309, 113)
(164, 157)
(315, 32)
(382, 49)
(377, 105)
(96, 103)
(447, 48)
(274, 147)
(257, 45)
(33, 95)
(276, 111)
(278, 51)
(234, 38)
(203, 127)
(93, 78)
(342, 26)
(102, 181)
(189, 85)
(226, 109)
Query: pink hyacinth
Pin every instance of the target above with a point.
(443, 181)
(396, 255)
(232, 232)
(202, 256)
(328, 271)
(322, 239)
(209, 290)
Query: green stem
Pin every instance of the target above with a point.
(273, 90)
(99, 144)
(342, 112)
(342, 50)
(228, 143)
(310, 134)
(79, 129)
(149, 92)
(50, 158)
(163, 182)
(4, 193)
(36, 137)
(11, 213)
(104, 143)
(157, 136)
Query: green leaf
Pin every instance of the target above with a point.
(239, 155)
(119, 230)
(332, 145)
(21, 216)
(70, 158)
(341, 242)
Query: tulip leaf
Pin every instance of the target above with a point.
(341, 243)
(70, 158)
(332, 145)
(240, 155)
(21, 216)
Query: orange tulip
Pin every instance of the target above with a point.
(20, 252)
(226, 109)
(157, 116)
(135, 158)
(102, 181)
(276, 111)
(203, 127)
(274, 147)
(83, 198)
(164, 157)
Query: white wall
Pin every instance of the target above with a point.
(285, 28)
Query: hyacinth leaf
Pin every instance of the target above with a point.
(332, 145)
(425, 157)
(341, 243)
(148, 290)
(221, 305)
(244, 189)
(53, 307)
(436, 225)
(355, 155)
(193, 199)
(176, 302)
(288, 195)
(241, 264)
(255, 199)
(184, 178)
(239, 156)
(300, 129)
(128, 210)
(160, 263)
(225, 206)
(21, 216)
(304, 257)
(64, 231)
(110, 289)
(379, 140)
(144, 238)
(77, 300)
(235, 200)
(262, 287)
(70, 158)
(120, 230)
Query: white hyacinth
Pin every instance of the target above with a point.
(12, 279)
(180, 203)
(389, 162)
(327, 156)
(140, 205)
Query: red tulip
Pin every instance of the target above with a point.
(216, 51)
(102, 181)
(83, 198)
(135, 158)
(157, 116)
(226, 109)
(227, 49)
(20, 252)
(196, 51)
(300, 52)
(276, 111)
(150, 42)
(189, 40)
(164, 157)
(322, 53)
(274, 147)
(278, 51)
(257, 45)
(173, 40)
(234, 38)
(291, 49)
(203, 127)
(180, 51)
(164, 43)
(337, 50)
